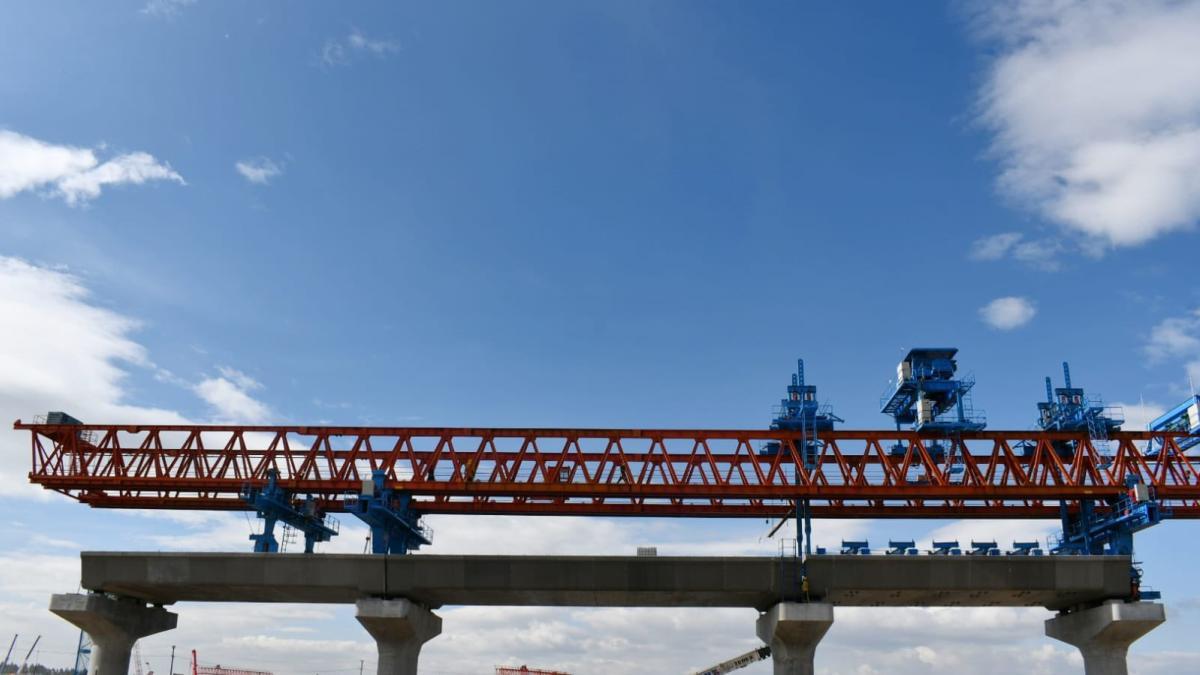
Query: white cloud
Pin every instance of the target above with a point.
(71, 173)
(58, 351)
(259, 170)
(229, 396)
(1039, 253)
(341, 51)
(1139, 415)
(357, 40)
(1008, 313)
(994, 247)
(1177, 337)
(1095, 107)
(165, 8)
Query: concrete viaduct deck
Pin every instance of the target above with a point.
(395, 594)
(1054, 582)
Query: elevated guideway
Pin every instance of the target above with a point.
(433, 581)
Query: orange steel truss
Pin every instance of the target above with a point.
(644, 472)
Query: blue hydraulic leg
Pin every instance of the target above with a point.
(274, 504)
(395, 526)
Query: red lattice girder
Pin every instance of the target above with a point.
(660, 472)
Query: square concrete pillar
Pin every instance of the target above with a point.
(400, 628)
(114, 624)
(793, 629)
(1103, 634)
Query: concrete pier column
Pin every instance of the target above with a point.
(114, 624)
(399, 628)
(1103, 634)
(793, 629)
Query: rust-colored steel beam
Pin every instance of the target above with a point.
(642, 472)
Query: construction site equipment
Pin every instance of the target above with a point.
(908, 547)
(738, 662)
(395, 526)
(928, 396)
(1185, 418)
(647, 472)
(1068, 408)
(945, 548)
(83, 654)
(274, 504)
(198, 669)
(8, 654)
(801, 412)
(25, 661)
(526, 670)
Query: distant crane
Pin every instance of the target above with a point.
(526, 670)
(738, 662)
(137, 658)
(9, 654)
(198, 669)
(29, 653)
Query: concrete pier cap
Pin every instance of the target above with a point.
(400, 627)
(113, 624)
(793, 629)
(1103, 634)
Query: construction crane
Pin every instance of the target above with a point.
(738, 662)
(801, 412)
(1184, 417)
(526, 670)
(198, 669)
(929, 396)
(940, 462)
(8, 655)
(1068, 408)
(25, 661)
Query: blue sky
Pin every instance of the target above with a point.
(591, 214)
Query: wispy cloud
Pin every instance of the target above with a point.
(259, 170)
(343, 50)
(1008, 313)
(165, 8)
(229, 396)
(71, 173)
(1177, 338)
(1040, 253)
(1095, 110)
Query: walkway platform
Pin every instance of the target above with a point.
(1054, 582)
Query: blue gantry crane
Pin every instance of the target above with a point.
(801, 411)
(1068, 408)
(1184, 418)
(929, 396)
(1095, 527)
(274, 504)
(396, 527)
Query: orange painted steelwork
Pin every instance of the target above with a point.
(647, 472)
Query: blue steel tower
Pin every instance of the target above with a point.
(928, 396)
(801, 411)
(1068, 408)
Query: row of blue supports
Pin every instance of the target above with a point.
(395, 526)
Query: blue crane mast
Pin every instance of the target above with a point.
(1102, 526)
(1068, 408)
(801, 411)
